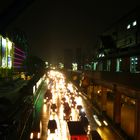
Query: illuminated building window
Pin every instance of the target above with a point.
(108, 65)
(87, 67)
(9, 62)
(74, 66)
(134, 23)
(4, 53)
(100, 66)
(128, 26)
(61, 65)
(118, 66)
(9, 54)
(94, 66)
(134, 64)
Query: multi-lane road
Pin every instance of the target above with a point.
(60, 89)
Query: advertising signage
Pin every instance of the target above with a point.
(6, 53)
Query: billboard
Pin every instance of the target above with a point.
(6, 53)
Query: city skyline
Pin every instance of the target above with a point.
(52, 27)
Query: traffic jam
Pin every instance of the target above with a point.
(63, 112)
(64, 104)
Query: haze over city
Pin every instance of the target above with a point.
(53, 26)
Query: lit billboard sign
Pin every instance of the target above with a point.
(6, 51)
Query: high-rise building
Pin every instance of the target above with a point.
(68, 58)
(78, 57)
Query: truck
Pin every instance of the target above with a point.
(76, 131)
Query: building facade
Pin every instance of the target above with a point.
(12, 58)
(116, 74)
(6, 56)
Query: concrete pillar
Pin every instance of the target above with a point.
(93, 93)
(103, 99)
(137, 120)
(94, 96)
(117, 106)
(90, 91)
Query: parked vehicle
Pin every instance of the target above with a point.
(85, 123)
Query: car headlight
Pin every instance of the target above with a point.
(82, 110)
(105, 122)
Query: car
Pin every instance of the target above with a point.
(36, 131)
(67, 113)
(53, 107)
(100, 120)
(52, 127)
(63, 100)
(82, 113)
(79, 107)
(66, 104)
(94, 135)
(72, 99)
(47, 96)
(67, 117)
(73, 104)
(85, 123)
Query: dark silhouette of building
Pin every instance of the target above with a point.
(68, 58)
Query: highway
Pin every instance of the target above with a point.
(55, 82)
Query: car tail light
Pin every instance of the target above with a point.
(38, 135)
(56, 132)
(48, 131)
(88, 127)
(44, 100)
(32, 135)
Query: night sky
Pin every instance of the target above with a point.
(52, 26)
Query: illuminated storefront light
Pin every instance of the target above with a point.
(134, 23)
(74, 66)
(4, 53)
(9, 54)
(9, 45)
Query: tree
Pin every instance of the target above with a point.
(35, 65)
